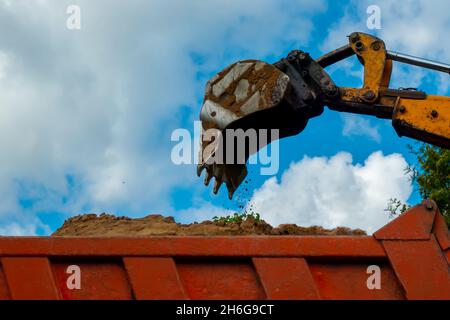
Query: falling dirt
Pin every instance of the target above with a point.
(158, 225)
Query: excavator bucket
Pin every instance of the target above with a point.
(254, 95)
(246, 95)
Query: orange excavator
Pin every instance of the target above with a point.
(252, 94)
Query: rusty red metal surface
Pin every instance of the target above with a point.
(407, 259)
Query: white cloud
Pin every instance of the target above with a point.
(86, 115)
(358, 125)
(15, 229)
(3, 64)
(333, 192)
(22, 229)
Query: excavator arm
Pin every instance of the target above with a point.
(414, 113)
(252, 94)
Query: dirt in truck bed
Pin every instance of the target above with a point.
(158, 225)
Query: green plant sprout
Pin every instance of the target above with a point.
(238, 218)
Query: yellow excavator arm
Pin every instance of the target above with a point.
(414, 113)
(253, 94)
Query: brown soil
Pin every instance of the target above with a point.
(157, 225)
(266, 77)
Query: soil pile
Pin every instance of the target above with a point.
(158, 225)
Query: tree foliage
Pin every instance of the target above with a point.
(431, 176)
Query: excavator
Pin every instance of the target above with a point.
(252, 94)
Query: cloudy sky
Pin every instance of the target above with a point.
(86, 115)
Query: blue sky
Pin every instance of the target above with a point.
(87, 114)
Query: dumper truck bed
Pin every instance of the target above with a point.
(407, 259)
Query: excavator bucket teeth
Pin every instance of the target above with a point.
(246, 95)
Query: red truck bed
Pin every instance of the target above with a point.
(412, 254)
